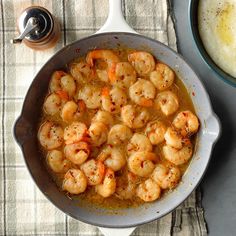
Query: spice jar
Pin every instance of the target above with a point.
(38, 28)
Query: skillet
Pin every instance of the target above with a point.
(116, 32)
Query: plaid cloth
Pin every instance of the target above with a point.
(23, 209)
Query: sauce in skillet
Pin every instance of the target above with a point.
(91, 194)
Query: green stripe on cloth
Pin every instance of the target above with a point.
(23, 208)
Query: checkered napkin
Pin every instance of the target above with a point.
(23, 209)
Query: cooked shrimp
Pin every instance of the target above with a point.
(71, 111)
(178, 156)
(155, 131)
(75, 132)
(142, 163)
(119, 134)
(134, 117)
(142, 93)
(94, 171)
(166, 177)
(103, 116)
(62, 81)
(50, 135)
(173, 138)
(75, 181)
(122, 74)
(97, 133)
(57, 162)
(126, 190)
(162, 77)
(91, 95)
(77, 152)
(168, 102)
(108, 186)
(186, 122)
(139, 143)
(113, 99)
(52, 104)
(82, 72)
(148, 191)
(113, 157)
(106, 55)
(102, 75)
(143, 62)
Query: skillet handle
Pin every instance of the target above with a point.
(115, 21)
(22, 130)
(116, 232)
(213, 128)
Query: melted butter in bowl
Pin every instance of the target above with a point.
(217, 28)
(225, 21)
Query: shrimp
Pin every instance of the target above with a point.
(178, 156)
(77, 152)
(186, 122)
(103, 116)
(122, 74)
(61, 81)
(57, 162)
(75, 132)
(155, 131)
(163, 77)
(106, 55)
(142, 93)
(52, 104)
(168, 102)
(102, 75)
(82, 72)
(50, 135)
(143, 62)
(126, 190)
(167, 178)
(113, 99)
(119, 134)
(148, 191)
(108, 186)
(91, 95)
(113, 157)
(134, 117)
(173, 138)
(75, 181)
(98, 133)
(94, 171)
(71, 111)
(109, 57)
(139, 143)
(142, 163)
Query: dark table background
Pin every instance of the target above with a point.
(219, 183)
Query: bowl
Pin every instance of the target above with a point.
(26, 129)
(193, 19)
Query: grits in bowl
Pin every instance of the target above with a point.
(217, 29)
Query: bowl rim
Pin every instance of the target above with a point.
(221, 74)
(211, 112)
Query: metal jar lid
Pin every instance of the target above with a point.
(35, 24)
